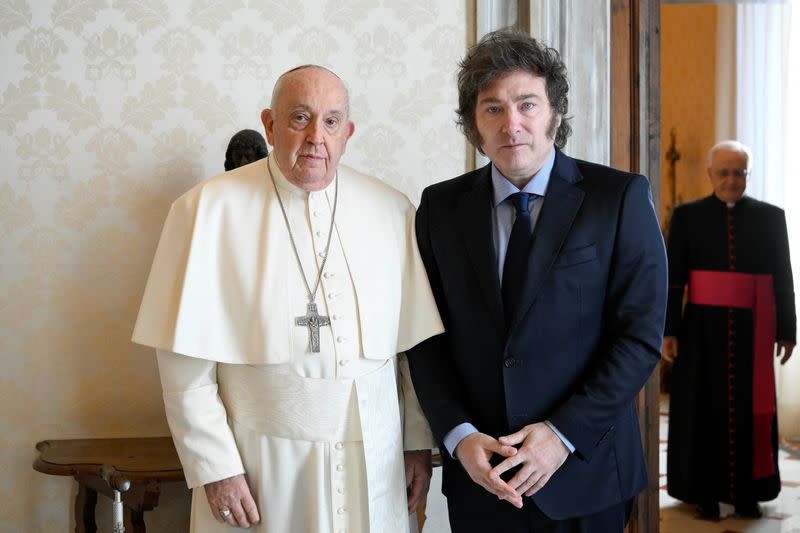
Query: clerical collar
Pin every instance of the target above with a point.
(728, 204)
(286, 185)
(503, 188)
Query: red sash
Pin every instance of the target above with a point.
(749, 291)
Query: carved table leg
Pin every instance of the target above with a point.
(85, 503)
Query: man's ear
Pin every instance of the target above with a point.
(268, 121)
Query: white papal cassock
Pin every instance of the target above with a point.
(319, 435)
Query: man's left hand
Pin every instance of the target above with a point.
(541, 454)
(418, 477)
(785, 349)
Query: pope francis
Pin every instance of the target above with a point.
(280, 300)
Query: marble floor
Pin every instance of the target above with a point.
(781, 515)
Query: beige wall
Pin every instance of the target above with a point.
(688, 93)
(108, 111)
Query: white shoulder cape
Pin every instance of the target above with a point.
(215, 287)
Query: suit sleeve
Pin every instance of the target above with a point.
(784, 284)
(634, 311)
(197, 419)
(431, 362)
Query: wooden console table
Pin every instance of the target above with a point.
(103, 465)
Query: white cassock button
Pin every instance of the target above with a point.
(316, 213)
(327, 275)
(343, 362)
(338, 445)
(321, 255)
(335, 317)
(340, 490)
(340, 510)
(318, 234)
(331, 296)
(340, 339)
(342, 531)
(340, 468)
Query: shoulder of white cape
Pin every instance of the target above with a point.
(251, 182)
(235, 197)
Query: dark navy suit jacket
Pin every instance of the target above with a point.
(585, 339)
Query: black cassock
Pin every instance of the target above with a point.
(710, 450)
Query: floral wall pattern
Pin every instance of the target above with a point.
(109, 110)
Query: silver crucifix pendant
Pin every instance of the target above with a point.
(312, 320)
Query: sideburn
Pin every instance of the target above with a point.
(552, 128)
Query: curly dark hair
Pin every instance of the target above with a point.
(499, 53)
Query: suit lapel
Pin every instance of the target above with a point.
(475, 212)
(561, 204)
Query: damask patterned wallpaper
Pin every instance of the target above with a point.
(110, 109)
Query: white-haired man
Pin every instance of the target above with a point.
(280, 294)
(732, 253)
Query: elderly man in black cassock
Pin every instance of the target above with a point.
(732, 253)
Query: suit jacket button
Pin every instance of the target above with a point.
(509, 363)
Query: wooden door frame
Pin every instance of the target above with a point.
(635, 146)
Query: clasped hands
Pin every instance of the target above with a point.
(540, 454)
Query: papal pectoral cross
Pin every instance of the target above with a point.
(312, 320)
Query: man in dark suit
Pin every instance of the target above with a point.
(550, 276)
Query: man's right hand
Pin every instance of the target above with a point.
(232, 494)
(669, 348)
(474, 452)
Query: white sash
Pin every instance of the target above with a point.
(312, 409)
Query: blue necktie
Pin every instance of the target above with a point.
(516, 263)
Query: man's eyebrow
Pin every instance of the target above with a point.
(304, 107)
(489, 100)
(495, 100)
